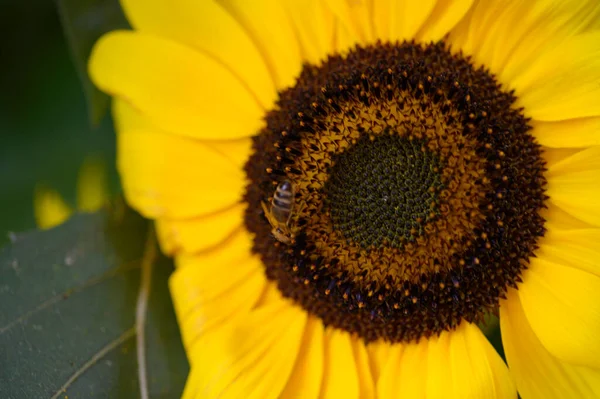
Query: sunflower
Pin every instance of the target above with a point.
(349, 186)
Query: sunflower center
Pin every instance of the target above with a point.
(383, 190)
(395, 191)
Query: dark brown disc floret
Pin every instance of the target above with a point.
(417, 191)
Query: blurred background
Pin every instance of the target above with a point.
(45, 131)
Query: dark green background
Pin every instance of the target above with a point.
(44, 126)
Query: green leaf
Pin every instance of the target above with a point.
(67, 312)
(84, 21)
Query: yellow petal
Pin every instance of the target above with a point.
(49, 207)
(547, 24)
(485, 374)
(404, 375)
(486, 32)
(235, 257)
(355, 16)
(201, 233)
(271, 31)
(343, 39)
(562, 305)
(410, 373)
(169, 176)
(92, 186)
(537, 373)
(215, 288)
(269, 296)
(207, 27)
(237, 151)
(127, 118)
(510, 36)
(574, 185)
(180, 90)
(315, 27)
(379, 352)
(211, 313)
(365, 377)
(572, 133)
(388, 370)
(563, 82)
(575, 248)
(444, 16)
(555, 155)
(305, 379)
(252, 358)
(340, 373)
(457, 364)
(439, 376)
(400, 19)
(558, 218)
(135, 161)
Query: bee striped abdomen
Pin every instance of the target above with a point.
(283, 201)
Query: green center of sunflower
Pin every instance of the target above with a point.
(383, 190)
(395, 191)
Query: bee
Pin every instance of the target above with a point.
(279, 213)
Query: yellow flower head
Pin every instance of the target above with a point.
(349, 186)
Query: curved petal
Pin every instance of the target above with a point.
(570, 133)
(271, 31)
(340, 371)
(314, 25)
(574, 185)
(355, 18)
(562, 305)
(551, 22)
(269, 296)
(169, 176)
(562, 83)
(205, 297)
(237, 151)
(201, 233)
(576, 248)
(207, 27)
(556, 217)
(388, 371)
(400, 19)
(456, 364)
(305, 379)
(365, 377)
(249, 359)
(555, 155)
(181, 90)
(443, 18)
(379, 353)
(537, 373)
(343, 39)
(509, 36)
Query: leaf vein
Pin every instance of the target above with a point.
(66, 294)
(94, 359)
